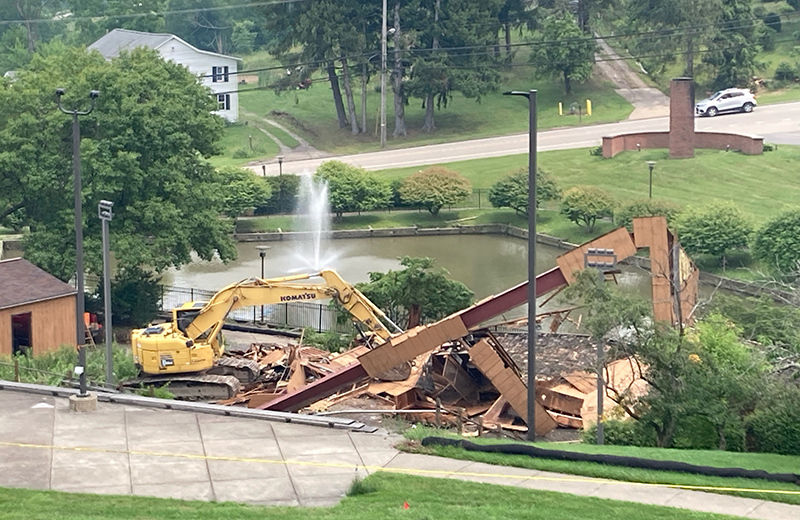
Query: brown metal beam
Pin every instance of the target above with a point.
(473, 316)
(317, 390)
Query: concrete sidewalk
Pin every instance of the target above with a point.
(130, 450)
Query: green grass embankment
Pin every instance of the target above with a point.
(764, 461)
(383, 498)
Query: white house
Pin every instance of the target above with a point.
(216, 71)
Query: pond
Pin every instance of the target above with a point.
(487, 264)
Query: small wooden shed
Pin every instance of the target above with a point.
(37, 310)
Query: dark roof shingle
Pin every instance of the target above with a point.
(21, 282)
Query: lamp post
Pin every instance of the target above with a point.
(280, 165)
(651, 165)
(531, 419)
(105, 214)
(262, 252)
(383, 76)
(76, 172)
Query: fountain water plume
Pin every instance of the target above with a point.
(314, 207)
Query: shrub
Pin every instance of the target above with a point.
(769, 147)
(646, 208)
(777, 243)
(512, 191)
(283, 195)
(597, 151)
(713, 229)
(773, 21)
(620, 433)
(134, 297)
(774, 427)
(241, 153)
(785, 72)
(434, 188)
(794, 4)
(765, 37)
(583, 205)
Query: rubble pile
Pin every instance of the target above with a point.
(474, 384)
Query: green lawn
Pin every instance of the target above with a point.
(765, 461)
(242, 142)
(762, 186)
(310, 113)
(382, 497)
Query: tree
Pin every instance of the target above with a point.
(242, 190)
(468, 26)
(705, 379)
(733, 49)
(646, 208)
(583, 205)
(419, 293)
(512, 191)
(562, 49)
(143, 148)
(435, 187)
(714, 229)
(777, 243)
(671, 28)
(353, 189)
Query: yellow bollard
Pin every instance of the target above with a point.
(588, 107)
(560, 109)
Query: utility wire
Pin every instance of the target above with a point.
(71, 18)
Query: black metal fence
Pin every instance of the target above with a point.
(291, 315)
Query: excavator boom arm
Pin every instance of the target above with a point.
(258, 291)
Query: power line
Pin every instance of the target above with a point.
(69, 18)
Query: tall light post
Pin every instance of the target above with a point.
(383, 77)
(76, 171)
(262, 252)
(104, 211)
(280, 165)
(531, 419)
(651, 165)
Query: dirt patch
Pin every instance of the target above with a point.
(291, 120)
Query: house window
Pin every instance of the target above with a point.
(219, 74)
(223, 101)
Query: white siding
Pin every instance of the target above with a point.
(201, 64)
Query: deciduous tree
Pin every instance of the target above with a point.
(583, 205)
(420, 293)
(512, 191)
(143, 148)
(562, 49)
(714, 229)
(353, 189)
(435, 187)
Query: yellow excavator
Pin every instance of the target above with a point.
(187, 352)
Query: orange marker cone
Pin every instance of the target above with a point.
(405, 505)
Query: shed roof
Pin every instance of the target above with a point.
(22, 283)
(118, 40)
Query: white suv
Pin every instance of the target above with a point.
(728, 100)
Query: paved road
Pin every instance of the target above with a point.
(129, 450)
(776, 123)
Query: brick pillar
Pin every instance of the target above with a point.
(681, 118)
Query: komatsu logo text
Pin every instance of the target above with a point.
(295, 297)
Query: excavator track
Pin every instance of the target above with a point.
(245, 370)
(192, 387)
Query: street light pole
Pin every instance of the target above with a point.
(262, 252)
(105, 214)
(76, 173)
(280, 165)
(531, 419)
(651, 165)
(383, 77)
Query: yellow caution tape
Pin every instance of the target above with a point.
(431, 472)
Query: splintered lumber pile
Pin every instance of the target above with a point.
(571, 399)
(474, 385)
